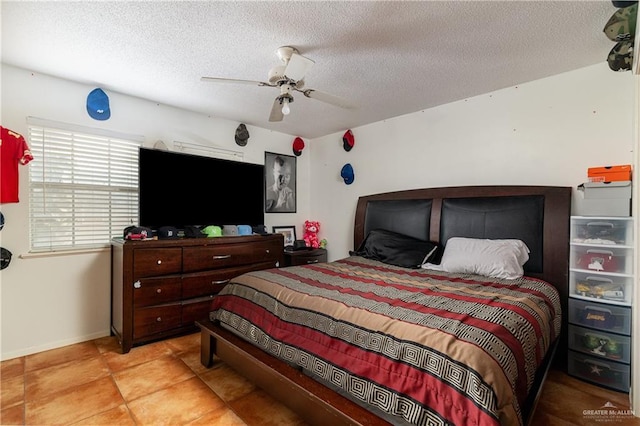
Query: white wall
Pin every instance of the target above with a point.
(546, 132)
(48, 302)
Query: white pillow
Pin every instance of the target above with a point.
(491, 258)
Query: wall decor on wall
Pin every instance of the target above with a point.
(280, 183)
(347, 174)
(242, 135)
(15, 152)
(98, 105)
(298, 146)
(620, 29)
(5, 257)
(348, 141)
(289, 233)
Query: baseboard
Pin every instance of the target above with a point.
(53, 345)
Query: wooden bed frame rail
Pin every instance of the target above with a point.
(314, 402)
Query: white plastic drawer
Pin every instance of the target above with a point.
(600, 344)
(614, 289)
(599, 371)
(602, 231)
(604, 260)
(611, 318)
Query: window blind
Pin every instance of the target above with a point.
(83, 185)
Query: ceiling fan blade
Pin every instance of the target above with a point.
(330, 99)
(276, 111)
(233, 80)
(297, 67)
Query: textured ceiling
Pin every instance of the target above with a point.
(389, 57)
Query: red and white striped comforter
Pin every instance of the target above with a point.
(421, 346)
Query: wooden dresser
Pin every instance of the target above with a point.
(159, 288)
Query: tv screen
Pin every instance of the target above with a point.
(177, 189)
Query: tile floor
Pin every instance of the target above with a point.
(162, 383)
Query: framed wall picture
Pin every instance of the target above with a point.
(289, 233)
(280, 183)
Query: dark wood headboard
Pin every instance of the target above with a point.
(539, 215)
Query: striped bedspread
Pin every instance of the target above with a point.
(414, 346)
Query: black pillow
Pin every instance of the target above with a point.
(397, 249)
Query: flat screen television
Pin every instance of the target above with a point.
(178, 189)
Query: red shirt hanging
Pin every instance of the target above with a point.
(14, 151)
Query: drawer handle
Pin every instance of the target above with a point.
(159, 290)
(219, 282)
(597, 336)
(159, 319)
(597, 308)
(600, 224)
(599, 279)
(597, 364)
(312, 261)
(267, 250)
(607, 252)
(159, 262)
(137, 284)
(221, 256)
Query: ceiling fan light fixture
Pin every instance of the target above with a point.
(285, 106)
(285, 99)
(288, 77)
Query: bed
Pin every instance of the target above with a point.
(379, 337)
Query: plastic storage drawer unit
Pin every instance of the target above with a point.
(601, 259)
(612, 289)
(599, 371)
(601, 231)
(611, 318)
(600, 344)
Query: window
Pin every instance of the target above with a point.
(83, 185)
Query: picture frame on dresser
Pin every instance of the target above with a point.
(289, 233)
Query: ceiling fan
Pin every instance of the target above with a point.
(288, 78)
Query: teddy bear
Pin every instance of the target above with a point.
(310, 237)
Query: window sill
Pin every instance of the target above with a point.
(39, 254)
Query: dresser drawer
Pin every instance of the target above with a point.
(148, 321)
(222, 256)
(306, 257)
(159, 288)
(211, 282)
(599, 371)
(600, 344)
(611, 318)
(157, 261)
(197, 309)
(156, 290)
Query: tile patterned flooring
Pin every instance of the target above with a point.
(162, 383)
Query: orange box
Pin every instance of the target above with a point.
(609, 173)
